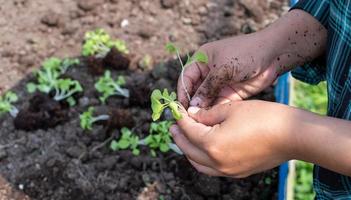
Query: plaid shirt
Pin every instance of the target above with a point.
(335, 68)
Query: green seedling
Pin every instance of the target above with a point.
(128, 140)
(6, 102)
(49, 74)
(109, 87)
(98, 43)
(87, 119)
(160, 138)
(199, 57)
(162, 100)
(65, 88)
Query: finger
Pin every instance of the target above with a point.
(204, 169)
(210, 116)
(213, 84)
(195, 132)
(189, 81)
(256, 84)
(188, 148)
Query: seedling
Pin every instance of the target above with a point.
(108, 87)
(161, 101)
(128, 140)
(197, 57)
(48, 75)
(87, 119)
(65, 88)
(98, 43)
(160, 138)
(6, 102)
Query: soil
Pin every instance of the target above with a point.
(64, 162)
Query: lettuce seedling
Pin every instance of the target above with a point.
(197, 57)
(6, 102)
(48, 75)
(160, 138)
(65, 88)
(160, 101)
(98, 43)
(87, 119)
(108, 87)
(127, 140)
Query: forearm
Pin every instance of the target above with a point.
(321, 140)
(294, 39)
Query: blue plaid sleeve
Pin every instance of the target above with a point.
(315, 71)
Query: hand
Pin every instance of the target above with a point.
(235, 139)
(238, 68)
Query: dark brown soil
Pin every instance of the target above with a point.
(116, 60)
(42, 113)
(65, 162)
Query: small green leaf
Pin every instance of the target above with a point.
(123, 144)
(71, 101)
(171, 48)
(153, 153)
(164, 147)
(114, 145)
(31, 87)
(136, 152)
(200, 57)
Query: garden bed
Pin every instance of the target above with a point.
(66, 162)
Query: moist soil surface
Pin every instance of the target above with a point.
(64, 162)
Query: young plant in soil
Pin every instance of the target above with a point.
(87, 119)
(162, 100)
(160, 139)
(109, 87)
(98, 43)
(47, 77)
(128, 140)
(6, 102)
(199, 57)
(65, 89)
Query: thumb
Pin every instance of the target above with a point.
(212, 85)
(211, 116)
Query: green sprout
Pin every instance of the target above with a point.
(6, 102)
(160, 138)
(160, 101)
(98, 43)
(108, 87)
(87, 119)
(197, 57)
(49, 74)
(127, 140)
(65, 88)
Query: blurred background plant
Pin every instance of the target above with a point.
(312, 98)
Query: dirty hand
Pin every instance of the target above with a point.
(234, 139)
(238, 68)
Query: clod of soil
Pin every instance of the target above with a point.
(95, 65)
(42, 113)
(116, 60)
(140, 90)
(120, 118)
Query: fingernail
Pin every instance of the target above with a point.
(193, 110)
(173, 129)
(195, 101)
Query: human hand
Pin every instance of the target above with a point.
(235, 139)
(238, 68)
